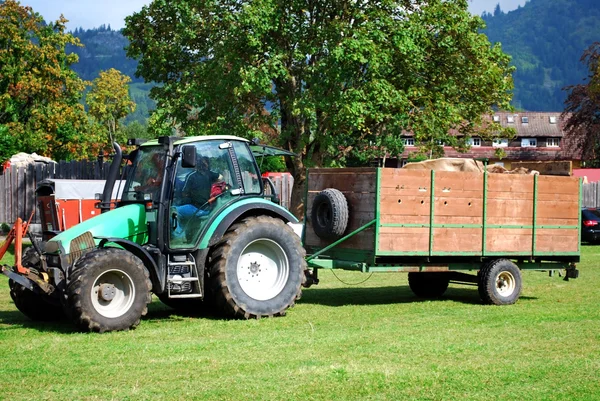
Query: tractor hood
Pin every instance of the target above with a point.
(127, 222)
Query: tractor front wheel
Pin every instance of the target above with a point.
(34, 305)
(257, 269)
(108, 290)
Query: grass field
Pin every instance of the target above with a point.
(340, 342)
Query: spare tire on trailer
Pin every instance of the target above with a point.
(329, 214)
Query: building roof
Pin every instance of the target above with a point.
(535, 125)
(532, 124)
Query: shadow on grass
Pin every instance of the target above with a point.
(159, 311)
(16, 320)
(385, 296)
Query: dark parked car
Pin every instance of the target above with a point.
(590, 225)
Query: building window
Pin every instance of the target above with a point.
(409, 141)
(528, 142)
(553, 142)
(474, 142)
(552, 119)
(496, 119)
(500, 143)
(510, 119)
(524, 120)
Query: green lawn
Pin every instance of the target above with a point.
(369, 341)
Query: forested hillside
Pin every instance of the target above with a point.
(546, 39)
(104, 48)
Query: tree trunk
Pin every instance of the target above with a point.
(298, 190)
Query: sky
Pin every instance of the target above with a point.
(89, 14)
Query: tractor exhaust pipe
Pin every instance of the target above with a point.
(113, 173)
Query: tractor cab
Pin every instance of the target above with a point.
(184, 189)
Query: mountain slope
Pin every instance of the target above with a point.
(546, 39)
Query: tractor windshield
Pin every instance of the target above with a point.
(144, 176)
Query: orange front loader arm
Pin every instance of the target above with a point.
(16, 233)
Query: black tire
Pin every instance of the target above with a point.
(108, 290)
(329, 214)
(500, 282)
(38, 307)
(428, 285)
(257, 248)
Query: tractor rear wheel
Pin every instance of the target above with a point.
(109, 290)
(257, 269)
(428, 285)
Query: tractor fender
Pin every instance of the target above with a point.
(240, 210)
(141, 253)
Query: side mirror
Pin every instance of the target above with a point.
(188, 156)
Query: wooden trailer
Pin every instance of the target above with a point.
(435, 224)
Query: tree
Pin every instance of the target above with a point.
(497, 10)
(582, 109)
(108, 100)
(340, 79)
(39, 93)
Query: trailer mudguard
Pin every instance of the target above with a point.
(238, 210)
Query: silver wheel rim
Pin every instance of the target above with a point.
(113, 293)
(505, 283)
(263, 269)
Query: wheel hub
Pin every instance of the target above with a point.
(505, 283)
(254, 268)
(263, 269)
(107, 292)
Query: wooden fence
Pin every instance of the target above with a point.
(18, 184)
(591, 195)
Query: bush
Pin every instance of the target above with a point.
(4, 228)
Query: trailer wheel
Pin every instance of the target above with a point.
(257, 268)
(329, 214)
(109, 289)
(35, 306)
(428, 285)
(500, 282)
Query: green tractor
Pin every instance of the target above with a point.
(190, 222)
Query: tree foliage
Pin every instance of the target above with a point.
(339, 79)
(582, 109)
(108, 101)
(40, 109)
